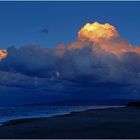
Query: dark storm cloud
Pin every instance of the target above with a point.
(32, 66)
(30, 60)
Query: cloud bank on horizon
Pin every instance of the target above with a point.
(99, 64)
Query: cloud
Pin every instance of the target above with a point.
(99, 64)
(44, 30)
(97, 32)
(3, 53)
(105, 39)
(31, 60)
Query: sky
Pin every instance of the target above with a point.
(22, 22)
(56, 51)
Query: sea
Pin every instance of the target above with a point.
(23, 112)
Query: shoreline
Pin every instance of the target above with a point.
(111, 123)
(58, 114)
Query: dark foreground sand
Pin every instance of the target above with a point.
(105, 123)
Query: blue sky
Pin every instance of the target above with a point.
(21, 22)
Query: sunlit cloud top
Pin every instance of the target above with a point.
(97, 32)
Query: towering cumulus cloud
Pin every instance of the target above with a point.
(105, 38)
(99, 64)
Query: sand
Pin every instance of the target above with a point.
(103, 123)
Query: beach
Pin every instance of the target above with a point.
(123, 122)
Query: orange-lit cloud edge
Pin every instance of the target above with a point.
(3, 53)
(104, 38)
